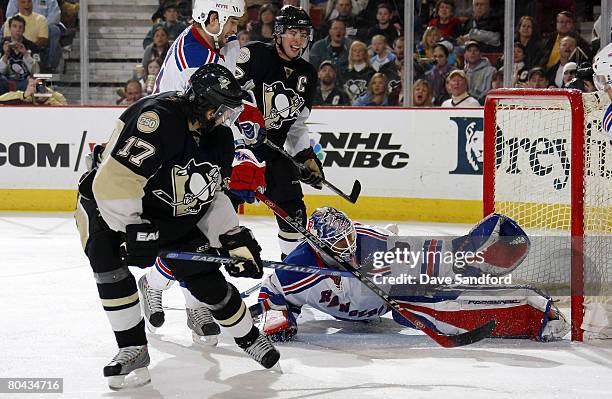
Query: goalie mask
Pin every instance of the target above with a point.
(214, 87)
(336, 230)
(224, 10)
(293, 22)
(602, 68)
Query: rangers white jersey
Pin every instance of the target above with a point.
(189, 52)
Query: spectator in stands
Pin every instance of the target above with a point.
(332, 11)
(51, 11)
(537, 78)
(584, 79)
(264, 28)
(457, 86)
(158, 48)
(132, 91)
(421, 94)
(384, 25)
(171, 24)
(436, 77)
(478, 70)
(35, 93)
(183, 8)
(392, 69)
(424, 49)
(344, 11)
(148, 80)
(16, 61)
(527, 36)
(448, 25)
(498, 80)
(565, 26)
(382, 53)
(244, 37)
(569, 73)
(376, 95)
(567, 50)
(327, 91)
(334, 47)
(36, 29)
(358, 73)
(482, 27)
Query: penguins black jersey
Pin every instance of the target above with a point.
(154, 168)
(284, 91)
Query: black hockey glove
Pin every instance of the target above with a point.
(312, 173)
(141, 245)
(240, 243)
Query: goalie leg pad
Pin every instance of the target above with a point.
(520, 312)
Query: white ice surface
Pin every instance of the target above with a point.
(52, 325)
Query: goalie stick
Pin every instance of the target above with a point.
(355, 191)
(447, 341)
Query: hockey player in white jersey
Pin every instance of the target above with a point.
(520, 312)
(602, 77)
(210, 39)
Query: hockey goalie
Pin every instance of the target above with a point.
(519, 311)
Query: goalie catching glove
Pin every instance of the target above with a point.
(312, 173)
(248, 175)
(241, 244)
(500, 244)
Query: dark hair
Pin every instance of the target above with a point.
(337, 20)
(519, 45)
(451, 3)
(132, 81)
(537, 71)
(568, 14)
(17, 18)
(499, 75)
(534, 27)
(444, 49)
(385, 5)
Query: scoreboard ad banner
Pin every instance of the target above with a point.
(427, 160)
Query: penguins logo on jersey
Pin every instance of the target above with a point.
(194, 186)
(356, 87)
(280, 104)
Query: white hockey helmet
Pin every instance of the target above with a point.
(224, 9)
(602, 67)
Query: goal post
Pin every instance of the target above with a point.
(548, 165)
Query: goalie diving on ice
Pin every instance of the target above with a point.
(429, 283)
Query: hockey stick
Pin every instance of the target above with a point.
(447, 341)
(197, 257)
(352, 197)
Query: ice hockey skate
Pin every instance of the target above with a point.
(204, 330)
(261, 350)
(151, 300)
(128, 369)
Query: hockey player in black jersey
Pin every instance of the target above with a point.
(158, 186)
(285, 85)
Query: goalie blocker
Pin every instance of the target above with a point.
(520, 312)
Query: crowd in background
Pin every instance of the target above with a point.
(358, 47)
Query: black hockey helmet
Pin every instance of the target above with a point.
(214, 87)
(291, 17)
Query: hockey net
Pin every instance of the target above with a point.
(548, 165)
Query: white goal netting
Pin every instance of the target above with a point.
(535, 177)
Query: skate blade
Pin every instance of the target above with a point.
(276, 368)
(134, 379)
(204, 340)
